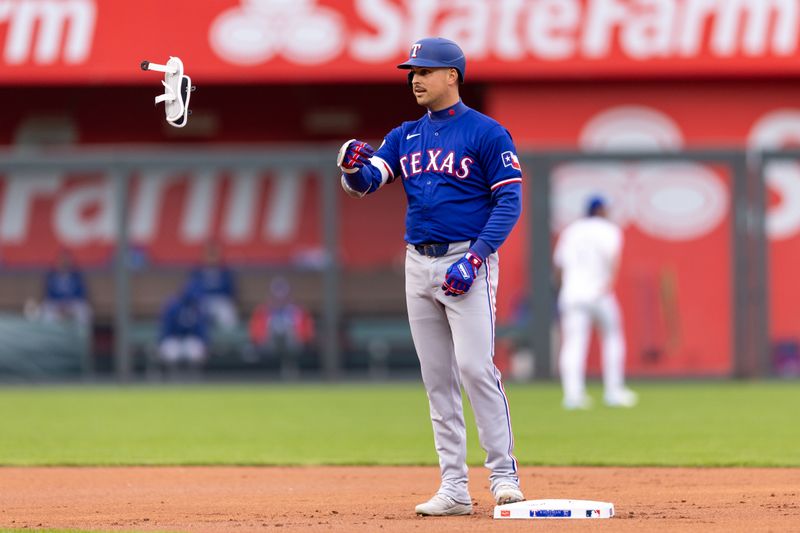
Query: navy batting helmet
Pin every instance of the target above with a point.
(436, 52)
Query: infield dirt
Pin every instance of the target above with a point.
(371, 499)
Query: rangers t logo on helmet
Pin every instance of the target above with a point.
(436, 52)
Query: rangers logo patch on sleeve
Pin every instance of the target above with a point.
(510, 159)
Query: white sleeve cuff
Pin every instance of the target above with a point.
(383, 167)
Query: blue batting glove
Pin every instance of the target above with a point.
(461, 274)
(353, 155)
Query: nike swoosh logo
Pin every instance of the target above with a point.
(412, 135)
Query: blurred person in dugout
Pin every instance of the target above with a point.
(65, 296)
(586, 260)
(215, 283)
(280, 328)
(183, 336)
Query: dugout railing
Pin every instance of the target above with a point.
(749, 318)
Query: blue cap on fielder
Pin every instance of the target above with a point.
(436, 52)
(594, 204)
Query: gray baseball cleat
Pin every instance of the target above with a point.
(508, 493)
(441, 505)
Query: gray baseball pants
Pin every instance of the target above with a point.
(454, 339)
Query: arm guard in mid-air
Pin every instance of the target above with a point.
(177, 90)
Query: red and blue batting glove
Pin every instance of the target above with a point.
(353, 155)
(461, 274)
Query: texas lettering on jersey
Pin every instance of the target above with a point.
(460, 173)
(434, 161)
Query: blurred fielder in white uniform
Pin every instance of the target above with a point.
(586, 260)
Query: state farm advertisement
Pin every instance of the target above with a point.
(221, 41)
(675, 279)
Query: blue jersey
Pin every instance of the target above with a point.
(63, 286)
(461, 176)
(183, 316)
(213, 281)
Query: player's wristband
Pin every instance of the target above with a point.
(481, 248)
(474, 260)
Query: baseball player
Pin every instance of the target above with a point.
(463, 184)
(586, 260)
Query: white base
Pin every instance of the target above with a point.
(538, 509)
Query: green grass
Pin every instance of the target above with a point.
(697, 424)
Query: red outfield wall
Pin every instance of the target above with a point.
(675, 279)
